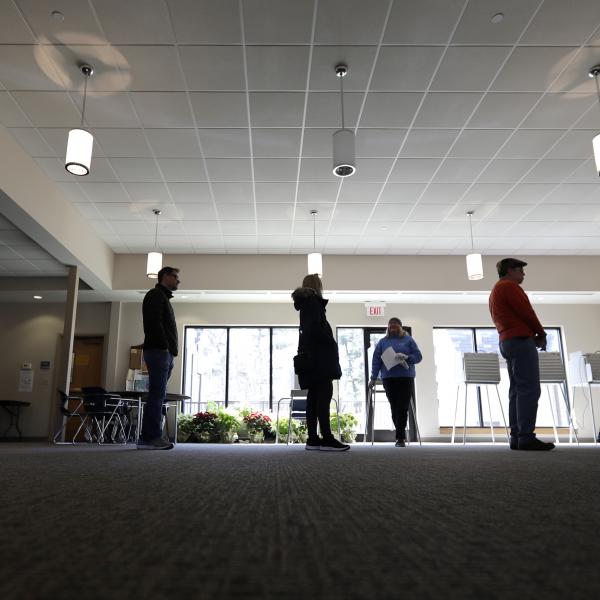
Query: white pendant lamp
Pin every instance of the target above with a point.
(474, 262)
(154, 263)
(315, 259)
(595, 72)
(80, 143)
(344, 163)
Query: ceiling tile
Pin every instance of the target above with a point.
(502, 110)
(46, 109)
(274, 212)
(352, 212)
(479, 143)
(552, 171)
(476, 26)
(531, 69)
(173, 143)
(505, 170)
(560, 23)
(116, 212)
(276, 143)
(73, 192)
(81, 27)
(530, 143)
(572, 193)
(411, 23)
(31, 141)
(218, 68)
(359, 60)
(19, 70)
(203, 227)
(275, 229)
(428, 143)
(13, 29)
(405, 68)
(318, 142)
(372, 169)
(317, 192)
(442, 109)
(152, 68)
(228, 169)
(391, 212)
(468, 68)
(155, 193)
(444, 193)
(559, 111)
(460, 170)
(486, 192)
(11, 114)
(225, 143)
(185, 193)
(414, 170)
(105, 192)
(317, 169)
(354, 191)
(350, 21)
(269, 67)
(238, 228)
(190, 213)
(372, 143)
(574, 144)
(528, 193)
(122, 143)
(232, 192)
(275, 169)
(205, 21)
(163, 109)
(276, 109)
(136, 169)
(179, 170)
(387, 110)
(278, 22)
(225, 109)
(275, 192)
(108, 109)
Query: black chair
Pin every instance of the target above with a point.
(71, 407)
(109, 415)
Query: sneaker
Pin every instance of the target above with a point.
(332, 445)
(400, 444)
(313, 444)
(535, 444)
(155, 444)
(514, 443)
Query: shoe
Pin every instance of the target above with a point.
(535, 444)
(155, 444)
(313, 444)
(332, 445)
(400, 444)
(514, 443)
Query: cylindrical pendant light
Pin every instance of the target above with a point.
(474, 262)
(344, 163)
(595, 72)
(315, 259)
(80, 142)
(154, 262)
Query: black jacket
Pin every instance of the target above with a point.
(160, 329)
(316, 338)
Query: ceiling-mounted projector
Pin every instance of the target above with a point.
(343, 153)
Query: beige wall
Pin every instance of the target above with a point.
(580, 323)
(29, 333)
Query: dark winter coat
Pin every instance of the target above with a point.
(316, 338)
(160, 328)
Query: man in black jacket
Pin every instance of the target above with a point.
(160, 347)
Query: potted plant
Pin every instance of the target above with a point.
(205, 426)
(299, 432)
(185, 428)
(228, 422)
(257, 425)
(348, 425)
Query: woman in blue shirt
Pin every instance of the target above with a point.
(398, 380)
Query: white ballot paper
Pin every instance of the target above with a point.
(390, 359)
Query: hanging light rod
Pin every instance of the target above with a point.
(154, 262)
(315, 259)
(81, 142)
(595, 73)
(343, 139)
(474, 262)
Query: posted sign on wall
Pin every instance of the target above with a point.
(375, 309)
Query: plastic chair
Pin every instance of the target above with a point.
(108, 413)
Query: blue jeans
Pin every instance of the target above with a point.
(523, 366)
(159, 364)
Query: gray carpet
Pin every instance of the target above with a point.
(217, 521)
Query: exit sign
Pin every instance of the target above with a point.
(375, 309)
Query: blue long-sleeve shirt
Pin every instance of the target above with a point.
(407, 346)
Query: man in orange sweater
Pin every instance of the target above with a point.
(521, 334)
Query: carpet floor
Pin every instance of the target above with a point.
(265, 521)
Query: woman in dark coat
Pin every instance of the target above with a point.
(318, 364)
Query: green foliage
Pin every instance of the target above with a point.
(299, 431)
(228, 420)
(185, 427)
(348, 425)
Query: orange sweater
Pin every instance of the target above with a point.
(512, 312)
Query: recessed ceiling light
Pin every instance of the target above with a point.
(37, 297)
(498, 18)
(57, 16)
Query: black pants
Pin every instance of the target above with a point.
(399, 393)
(318, 400)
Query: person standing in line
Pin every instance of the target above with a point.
(320, 363)
(160, 348)
(398, 381)
(521, 333)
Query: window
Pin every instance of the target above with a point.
(449, 344)
(238, 366)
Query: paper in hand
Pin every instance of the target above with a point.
(391, 359)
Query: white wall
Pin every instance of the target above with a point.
(29, 333)
(580, 323)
